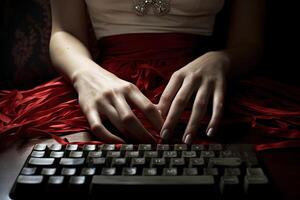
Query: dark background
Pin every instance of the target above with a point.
(26, 29)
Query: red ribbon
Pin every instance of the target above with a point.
(149, 61)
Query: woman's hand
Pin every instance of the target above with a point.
(106, 94)
(205, 76)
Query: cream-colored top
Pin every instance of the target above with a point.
(114, 17)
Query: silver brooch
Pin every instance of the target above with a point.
(160, 7)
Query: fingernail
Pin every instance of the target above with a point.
(164, 134)
(210, 132)
(188, 139)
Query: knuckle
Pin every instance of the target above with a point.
(221, 98)
(99, 101)
(127, 87)
(97, 128)
(172, 119)
(177, 75)
(181, 101)
(127, 118)
(201, 104)
(210, 81)
(80, 99)
(106, 94)
(100, 104)
(194, 78)
(165, 98)
(220, 106)
(150, 108)
(82, 104)
(86, 108)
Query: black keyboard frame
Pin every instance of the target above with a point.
(147, 187)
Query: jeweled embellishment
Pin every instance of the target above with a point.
(160, 7)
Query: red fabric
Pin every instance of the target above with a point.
(148, 60)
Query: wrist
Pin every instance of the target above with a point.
(81, 77)
(220, 59)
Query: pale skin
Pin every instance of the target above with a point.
(101, 92)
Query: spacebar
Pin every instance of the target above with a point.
(141, 185)
(153, 180)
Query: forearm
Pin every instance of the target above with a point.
(244, 47)
(70, 56)
(242, 59)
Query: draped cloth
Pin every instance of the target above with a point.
(148, 60)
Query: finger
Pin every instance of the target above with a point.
(130, 121)
(147, 107)
(106, 108)
(198, 112)
(98, 129)
(218, 101)
(169, 93)
(177, 106)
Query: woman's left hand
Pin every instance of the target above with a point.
(205, 76)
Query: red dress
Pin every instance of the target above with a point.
(148, 60)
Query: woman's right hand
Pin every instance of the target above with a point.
(104, 93)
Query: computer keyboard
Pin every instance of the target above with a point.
(215, 171)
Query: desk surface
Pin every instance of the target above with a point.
(283, 166)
